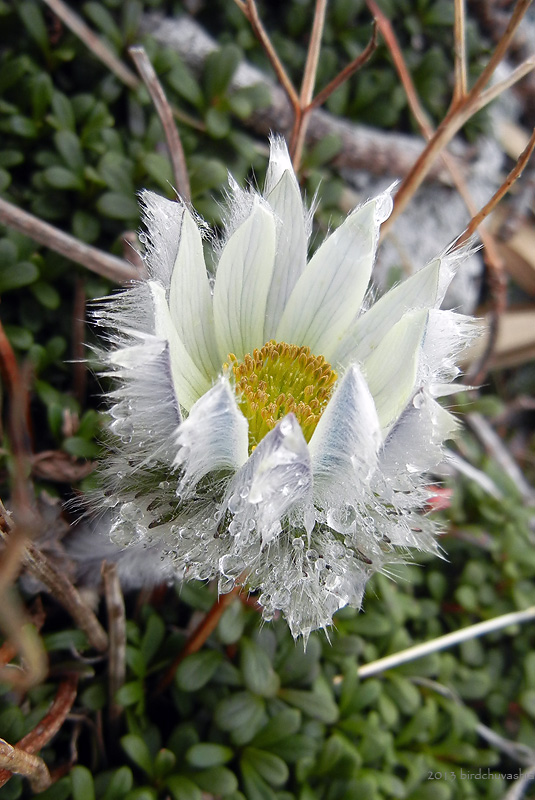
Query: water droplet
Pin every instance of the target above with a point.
(131, 512)
(231, 566)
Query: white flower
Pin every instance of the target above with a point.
(265, 425)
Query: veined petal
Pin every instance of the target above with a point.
(418, 291)
(242, 284)
(392, 369)
(190, 383)
(344, 446)
(212, 438)
(162, 219)
(291, 254)
(190, 300)
(330, 290)
(276, 478)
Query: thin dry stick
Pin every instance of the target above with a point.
(51, 723)
(513, 176)
(95, 260)
(302, 116)
(165, 113)
(460, 113)
(117, 636)
(248, 7)
(449, 640)
(459, 50)
(200, 635)
(21, 763)
(92, 41)
(346, 73)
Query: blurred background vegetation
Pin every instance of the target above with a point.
(253, 715)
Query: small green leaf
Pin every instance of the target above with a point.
(205, 755)
(68, 145)
(136, 749)
(232, 623)
(94, 697)
(65, 640)
(5, 179)
(183, 788)
(217, 123)
(120, 784)
(258, 673)
(272, 768)
(153, 637)
(130, 693)
(239, 710)
(217, 780)
(164, 763)
(118, 206)
(219, 68)
(63, 111)
(85, 226)
(316, 705)
(196, 670)
(80, 448)
(32, 17)
(284, 724)
(255, 786)
(58, 791)
(46, 294)
(63, 178)
(83, 787)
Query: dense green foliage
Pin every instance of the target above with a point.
(253, 715)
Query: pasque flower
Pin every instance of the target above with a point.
(269, 423)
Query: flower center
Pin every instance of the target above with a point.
(278, 379)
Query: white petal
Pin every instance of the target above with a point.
(276, 478)
(190, 383)
(414, 445)
(163, 219)
(242, 284)
(279, 164)
(329, 292)
(213, 437)
(391, 370)
(344, 446)
(418, 291)
(190, 300)
(446, 337)
(291, 255)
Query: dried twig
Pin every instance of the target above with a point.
(201, 633)
(459, 50)
(21, 763)
(95, 260)
(165, 113)
(347, 72)
(77, 25)
(449, 640)
(117, 636)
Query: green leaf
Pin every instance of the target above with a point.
(70, 149)
(10, 158)
(137, 750)
(83, 787)
(217, 780)
(217, 123)
(196, 670)
(120, 784)
(254, 784)
(94, 697)
(232, 623)
(101, 17)
(183, 788)
(164, 763)
(65, 640)
(272, 768)
(80, 448)
(208, 755)
(316, 705)
(118, 206)
(85, 226)
(130, 693)
(159, 168)
(58, 791)
(219, 68)
(32, 17)
(258, 673)
(21, 126)
(41, 91)
(284, 724)
(46, 294)
(63, 111)
(5, 179)
(20, 338)
(239, 710)
(153, 637)
(63, 178)
(182, 81)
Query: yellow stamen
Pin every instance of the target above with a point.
(278, 379)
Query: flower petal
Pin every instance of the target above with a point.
(418, 291)
(242, 284)
(190, 300)
(275, 479)
(391, 370)
(330, 290)
(283, 195)
(344, 446)
(190, 383)
(163, 219)
(214, 437)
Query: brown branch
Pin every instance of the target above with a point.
(459, 50)
(165, 113)
(15, 761)
(200, 634)
(101, 50)
(513, 176)
(95, 260)
(347, 72)
(248, 7)
(117, 636)
(47, 728)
